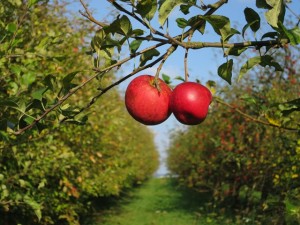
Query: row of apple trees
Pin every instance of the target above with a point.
(243, 162)
(51, 174)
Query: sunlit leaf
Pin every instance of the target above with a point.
(276, 13)
(34, 205)
(11, 27)
(249, 65)
(166, 7)
(166, 78)
(28, 78)
(38, 94)
(292, 34)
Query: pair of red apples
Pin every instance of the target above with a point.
(152, 103)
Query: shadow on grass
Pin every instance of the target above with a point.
(158, 195)
(165, 199)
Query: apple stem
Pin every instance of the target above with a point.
(186, 70)
(170, 50)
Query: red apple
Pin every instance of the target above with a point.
(147, 103)
(190, 102)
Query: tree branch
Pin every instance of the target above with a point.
(104, 90)
(70, 93)
(198, 45)
(253, 118)
(89, 15)
(170, 50)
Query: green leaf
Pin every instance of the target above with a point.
(290, 106)
(137, 32)
(134, 45)
(9, 103)
(225, 71)
(28, 78)
(195, 19)
(264, 61)
(49, 80)
(248, 98)
(179, 78)
(68, 78)
(125, 25)
(166, 78)
(276, 13)
(185, 9)
(100, 36)
(221, 26)
(32, 2)
(262, 4)
(121, 25)
(146, 8)
(11, 27)
(292, 34)
(39, 93)
(182, 23)
(236, 51)
(268, 60)
(34, 205)
(67, 82)
(37, 104)
(249, 65)
(148, 56)
(272, 35)
(166, 7)
(252, 18)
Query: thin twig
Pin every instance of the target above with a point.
(70, 93)
(292, 11)
(89, 15)
(170, 50)
(253, 118)
(133, 15)
(119, 63)
(186, 70)
(104, 90)
(61, 101)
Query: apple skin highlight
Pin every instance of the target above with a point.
(190, 102)
(146, 103)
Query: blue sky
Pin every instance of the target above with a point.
(202, 64)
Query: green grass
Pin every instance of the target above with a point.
(158, 202)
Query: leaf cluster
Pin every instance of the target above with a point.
(236, 158)
(52, 174)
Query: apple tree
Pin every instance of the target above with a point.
(132, 32)
(53, 174)
(243, 163)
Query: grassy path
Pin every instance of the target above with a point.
(157, 202)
